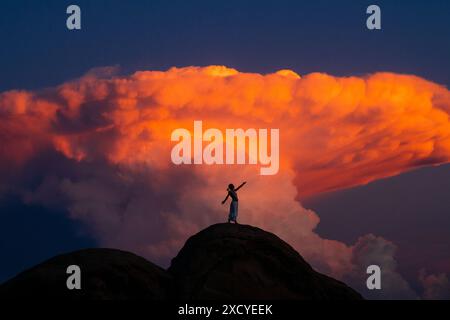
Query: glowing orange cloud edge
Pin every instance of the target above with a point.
(336, 132)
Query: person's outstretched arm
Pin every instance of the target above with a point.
(225, 198)
(242, 184)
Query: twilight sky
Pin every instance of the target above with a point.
(82, 157)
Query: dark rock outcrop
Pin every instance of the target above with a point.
(223, 261)
(227, 261)
(105, 274)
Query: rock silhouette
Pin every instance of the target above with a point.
(105, 274)
(223, 261)
(228, 261)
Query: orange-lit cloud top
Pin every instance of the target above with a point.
(335, 132)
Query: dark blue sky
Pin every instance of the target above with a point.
(256, 36)
(259, 36)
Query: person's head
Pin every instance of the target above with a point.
(231, 186)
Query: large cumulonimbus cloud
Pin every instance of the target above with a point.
(99, 146)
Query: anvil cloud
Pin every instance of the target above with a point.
(101, 146)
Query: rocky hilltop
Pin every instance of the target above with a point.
(223, 261)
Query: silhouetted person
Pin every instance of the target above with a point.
(232, 192)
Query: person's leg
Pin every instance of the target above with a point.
(233, 211)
